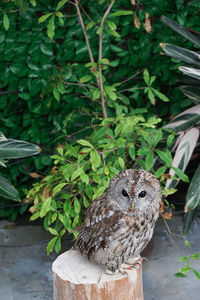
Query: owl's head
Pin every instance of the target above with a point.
(133, 189)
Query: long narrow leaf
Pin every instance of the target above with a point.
(192, 92)
(11, 148)
(193, 193)
(183, 154)
(193, 37)
(195, 73)
(185, 120)
(182, 54)
(7, 190)
(189, 218)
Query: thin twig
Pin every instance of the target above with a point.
(138, 72)
(84, 31)
(100, 57)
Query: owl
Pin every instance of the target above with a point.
(119, 224)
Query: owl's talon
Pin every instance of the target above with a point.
(109, 272)
(135, 262)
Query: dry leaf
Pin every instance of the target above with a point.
(33, 209)
(147, 23)
(53, 170)
(60, 146)
(161, 210)
(35, 175)
(186, 210)
(133, 2)
(136, 21)
(45, 192)
(167, 215)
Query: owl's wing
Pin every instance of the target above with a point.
(99, 225)
(97, 231)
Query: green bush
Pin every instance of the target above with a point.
(46, 89)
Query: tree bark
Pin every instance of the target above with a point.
(75, 278)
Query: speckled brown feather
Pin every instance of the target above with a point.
(112, 232)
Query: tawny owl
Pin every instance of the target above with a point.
(120, 223)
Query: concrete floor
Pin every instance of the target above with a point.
(25, 269)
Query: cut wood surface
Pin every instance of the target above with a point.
(75, 278)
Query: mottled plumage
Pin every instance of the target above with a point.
(120, 223)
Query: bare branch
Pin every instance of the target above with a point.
(100, 57)
(84, 30)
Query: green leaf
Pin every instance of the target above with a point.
(160, 171)
(53, 231)
(182, 54)
(114, 33)
(35, 216)
(179, 274)
(84, 177)
(189, 218)
(76, 173)
(149, 160)
(90, 25)
(195, 256)
(166, 156)
(44, 17)
(58, 245)
(182, 156)
(121, 162)
(60, 4)
(58, 187)
(182, 30)
(193, 193)
(188, 244)
(77, 206)
(51, 28)
(33, 2)
(181, 174)
(151, 96)
(7, 190)
(85, 202)
(183, 258)
(146, 76)
(170, 139)
(121, 13)
(85, 143)
(197, 274)
(161, 95)
(11, 148)
(95, 159)
(157, 138)
(111, 25)
(56, 93)
(85, 78)
(192, 92)
(185, 120)
(99, 192)
(51, 245)
(131, 150)
(104, 61)
(45, 208)
(6, 22)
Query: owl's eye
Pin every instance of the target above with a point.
(124, 193)
(142, 194)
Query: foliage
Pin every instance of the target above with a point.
(12, 149)
(84, 168)
(47, 89)
(187, 260)
(186, 125)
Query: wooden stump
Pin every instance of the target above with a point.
(75, 278)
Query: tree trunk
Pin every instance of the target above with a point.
(75, 278)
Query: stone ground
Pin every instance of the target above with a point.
(25, 269)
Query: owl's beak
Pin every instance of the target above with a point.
(133, 205)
